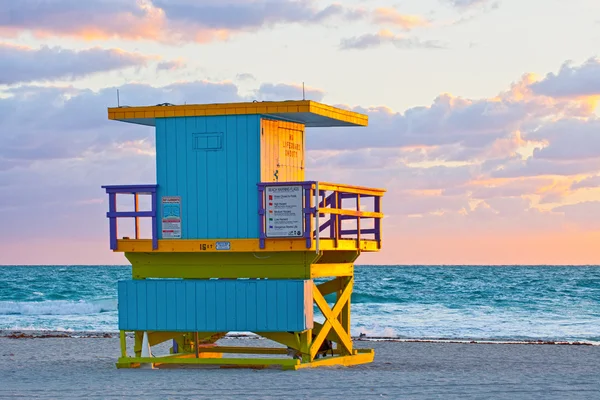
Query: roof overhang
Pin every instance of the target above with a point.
(307, 112)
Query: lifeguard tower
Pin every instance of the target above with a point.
(240, 242)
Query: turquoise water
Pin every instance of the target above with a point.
(489, 303)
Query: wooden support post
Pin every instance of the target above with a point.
(137, 347)
(123, 344)
(305, 343)
(345, 314)
(331, 320)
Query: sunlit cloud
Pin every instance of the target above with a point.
(158, 20)
(391, 16)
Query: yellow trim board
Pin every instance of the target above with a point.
(307, 112)
(241, 245)
(234, 266)
(351, 189)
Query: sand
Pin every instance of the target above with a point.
(66, 367)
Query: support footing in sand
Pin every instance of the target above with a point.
(215, 359)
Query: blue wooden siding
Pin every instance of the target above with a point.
(215, 174)
(215, 305)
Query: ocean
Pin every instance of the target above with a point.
(499, 303)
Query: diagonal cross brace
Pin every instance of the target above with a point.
(331, 319)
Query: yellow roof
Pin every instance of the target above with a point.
(307, 112)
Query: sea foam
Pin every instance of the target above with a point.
(58, 307)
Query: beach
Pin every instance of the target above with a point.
(69, 367)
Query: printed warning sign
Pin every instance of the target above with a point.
(284, 214)
(171, 217)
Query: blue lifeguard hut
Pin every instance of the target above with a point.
(239, 240)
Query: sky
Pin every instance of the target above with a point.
(483, 115)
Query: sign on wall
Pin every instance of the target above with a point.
(283, 211)
(171, 217)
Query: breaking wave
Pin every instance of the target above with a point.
(58, 307)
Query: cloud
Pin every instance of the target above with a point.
(467, 4)
(64, 123)
(515, 168)
(582, 214)
(592, 182)
(506, 189)
(407, 204)
(245, 77)
(170, 65)
(93, 19)
(390, 16)
(449, 120)
(243, 14)
(571, 80)
(170, 21)
(372, 40)
(279, 92)
(568, 139)
(20, 64)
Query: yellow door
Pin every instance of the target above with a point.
(282, 151)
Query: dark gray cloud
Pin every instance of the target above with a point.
(373, 40)
(571, 80)
(22, 64)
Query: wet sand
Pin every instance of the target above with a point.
(67, 367)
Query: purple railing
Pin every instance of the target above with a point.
(113, 214)
(330, 201)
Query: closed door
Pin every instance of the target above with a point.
(282, 151)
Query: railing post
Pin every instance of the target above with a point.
(358, 220)
(307, 215)
(317, 226)
(261, 216)
(136, 209)
(378, 222)
(154, 223)
(112, 207)
(336, 218)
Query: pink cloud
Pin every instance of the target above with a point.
(159, 20)
(391, 16)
